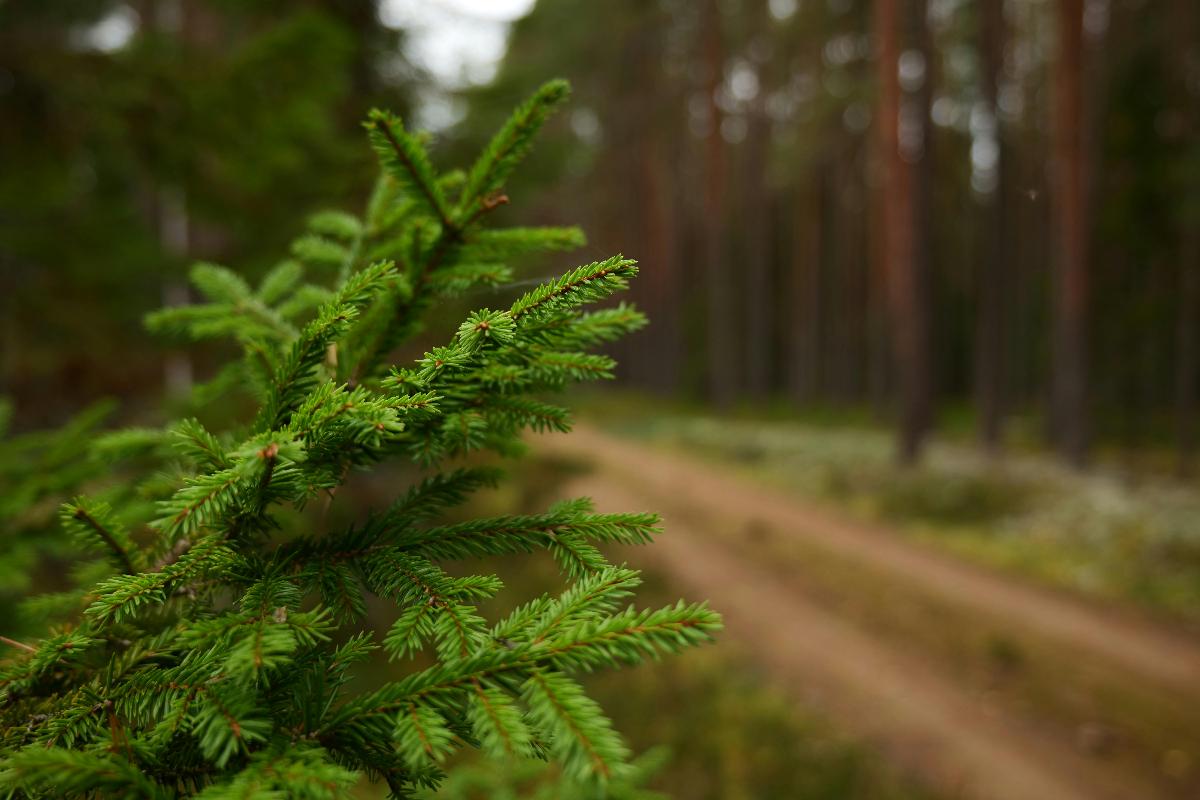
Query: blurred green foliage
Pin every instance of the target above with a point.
(725, 736)
(39, 471)
(200, 129)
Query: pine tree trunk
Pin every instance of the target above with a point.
(862, 326)
(1186, 352)
(1071, 285)
(721, 332)
(174, 238)
(1032, 267)
(898, 240)
(990, 351)
(655, 354)
(804, 323)
(177, 18)
(839, 358)
(880, 354)
(1184, 20)
(923, 243)
(660, 273)
(757, 230)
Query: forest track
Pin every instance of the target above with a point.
(949, 735)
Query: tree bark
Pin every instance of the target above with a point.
(757, 229)
(1071, 285)
(990, 351)
(183, 19)
(899, 243)
(803, 330)
(1186, 371)
(721, 332)
(923, 242)
(1187, 359)
(663, 285)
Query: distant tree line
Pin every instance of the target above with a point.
(138, 137)
(910, 205)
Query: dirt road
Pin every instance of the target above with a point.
(927, 723)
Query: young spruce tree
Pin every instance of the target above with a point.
(214, 658)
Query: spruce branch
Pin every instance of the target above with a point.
(586, 284)
(405, 159)
(512, 142)
(582, 737)
(96, 518)
(210, 666)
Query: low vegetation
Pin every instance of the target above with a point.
(1096, 533)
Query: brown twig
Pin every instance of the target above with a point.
(19, 645)
(83, 516)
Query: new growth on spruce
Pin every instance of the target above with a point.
(212, 648)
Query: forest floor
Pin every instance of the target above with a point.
(982, 685)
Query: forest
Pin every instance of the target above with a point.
(916, 390)
(1003, 227)
(1016, 253)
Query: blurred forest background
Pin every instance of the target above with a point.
(910, 265)
(920, 208)
(1000, 234)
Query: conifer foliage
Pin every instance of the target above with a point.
(215, 655)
